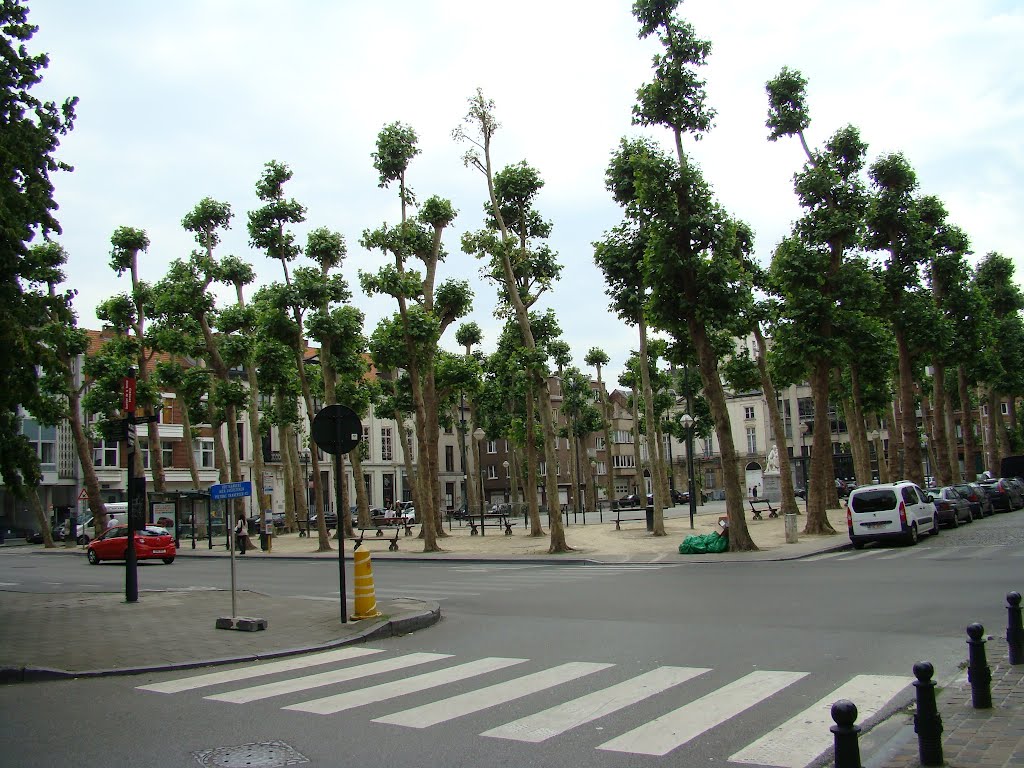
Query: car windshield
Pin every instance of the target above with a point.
(874, 500)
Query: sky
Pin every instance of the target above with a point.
(184, 100)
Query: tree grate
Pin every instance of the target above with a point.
(263, 754)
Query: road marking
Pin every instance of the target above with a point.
(939, 553)
(256, 670)
(985, 552)
(805, 736)
(342, 701)
(861, 555)
(245, 695)
(572, 714)
(892, 556)
(661, 736)
(9, 583)
(473, 701)
(824, 556)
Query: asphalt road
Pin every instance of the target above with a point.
(758, 643)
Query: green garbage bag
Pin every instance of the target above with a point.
(703, 544)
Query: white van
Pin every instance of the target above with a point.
(900, 511)
(117, 509)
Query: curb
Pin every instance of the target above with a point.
(403, 624)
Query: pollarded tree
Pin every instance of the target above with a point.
(598, 358)
(469, 335)
(696, 282)
(425, 309)
(32, 130)
(523, 268)
(807, 266)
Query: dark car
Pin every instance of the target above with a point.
(981, 505)
(630, 500)
(330, 520)
(950, 507)
(1004, 497)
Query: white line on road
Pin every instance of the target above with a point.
(342, 701)
(805, 736)
(572, 714)
(661, 736)
(257, 670)
(474, 701)
(257, 692)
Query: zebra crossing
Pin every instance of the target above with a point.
(360, 676)
(922, 552)
(474, 580)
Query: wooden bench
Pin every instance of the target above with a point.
(379, 534)
(628, 514)
(757, 506)
(501, 518)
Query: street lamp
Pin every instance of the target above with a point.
(687, 421)
(479, 434)
(805, 427)
(593, 480)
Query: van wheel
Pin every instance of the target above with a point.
(912, 536)
(83, 539)
(935, 526)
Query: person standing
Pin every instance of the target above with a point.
(241, 534)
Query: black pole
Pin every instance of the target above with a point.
(847, 750)
(1014, 628)
(689, 474)
(131, 563)
(978, 673)
(927, 722)
(341, 529)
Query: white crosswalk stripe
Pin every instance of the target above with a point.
(670, 731)
(797, 742)
(564, 717)
(801, 739)
(474, 701)
(342, 701)
(268, 690)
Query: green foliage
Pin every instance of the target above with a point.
(126, 242)
(396, 147)
(469, 335)
(267, 224)
(205, 219)
(787, 104)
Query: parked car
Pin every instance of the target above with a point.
(630, 500)
(951, 507)
(330, 519)
(843, 488)
(981, 505)
(1004, 497)
(683, 497)
(893, 511)
(151, 543)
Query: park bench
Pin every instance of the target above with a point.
(625, 514)
(363, 533)
(501, 518)
(757, 506)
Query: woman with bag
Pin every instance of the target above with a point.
(241, 534)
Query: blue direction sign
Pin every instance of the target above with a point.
(231, 490)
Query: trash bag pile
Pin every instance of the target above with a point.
(703, 544)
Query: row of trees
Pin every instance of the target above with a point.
(870, 295)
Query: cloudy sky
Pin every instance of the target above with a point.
(189, 99)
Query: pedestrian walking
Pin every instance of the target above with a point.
(111, 522)
(241, 534)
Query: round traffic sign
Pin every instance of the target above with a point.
(337, 429)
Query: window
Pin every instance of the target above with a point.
(554, 415)
(387, 452)
(602, 468)
(709, 480)
(1004, 408)
(984, 410)
(542, 469)
(492, 446)
(626, 461)
(165, 454)
(241, 440)
(449, 458)
(623, 436)
(492, 472)
(366, 438)
(600, 443)
(748, 412)
(47, 452)
(202, 449)
(751, 439)
(708, 448)
(104, 453)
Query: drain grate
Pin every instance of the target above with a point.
(263, 754)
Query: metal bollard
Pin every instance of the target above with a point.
(847, 750)
(927, 722)
(1014, 628)
(978, 672)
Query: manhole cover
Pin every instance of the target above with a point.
(263, 754)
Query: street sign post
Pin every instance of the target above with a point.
(231, 490)
(337, 430)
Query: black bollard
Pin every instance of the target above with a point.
(1014, 629)
(978, 672)
(927, 722)
(847, 750)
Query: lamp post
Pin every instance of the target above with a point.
(873, 436)
(593, 480)
(479, 434)
(687, 421)
(305, 483)
(804, 429)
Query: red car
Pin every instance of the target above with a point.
(151, 543)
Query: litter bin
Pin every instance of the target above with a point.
(265, 535)
(649, 511)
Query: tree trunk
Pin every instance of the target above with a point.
(739, 536)
(83, 448)
(289, 460)
(639, 488)
(653, 444)
(821, 459)
(45, 528)
(951, 447)
(913, 462)
(896, 461)
(606, 414)
(967, 426)
(1000, 426)
(362, 503)
(992, 444)
(788, 505)
(883, 466)
(940, 439)
(536, 529)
